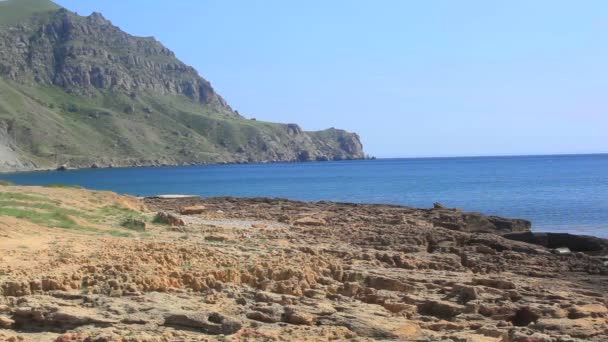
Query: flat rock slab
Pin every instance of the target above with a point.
(174, 196)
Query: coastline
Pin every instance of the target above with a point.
(526, 187)
(194, 268)
(139, 164)
(61, 168)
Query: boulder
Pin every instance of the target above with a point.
(455, 219)
(211, 323)
(575, 243)
(293, 316)
(262, 317)
(438, 205)
(60, 317)
(193, 210)
(168, 218)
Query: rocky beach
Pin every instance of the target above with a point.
(81, 265)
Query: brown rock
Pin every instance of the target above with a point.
(211, 323)
(261, 317)
(588, 310)
(193, 210)
(6, 323)
(310, 221)
(292, 316)
(440, 309)
(168, 218)
(495, 283)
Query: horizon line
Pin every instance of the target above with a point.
(497, 155)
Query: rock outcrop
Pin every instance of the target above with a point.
(575, 243)
(273, 269)
(80, 54)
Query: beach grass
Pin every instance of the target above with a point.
(48, 212)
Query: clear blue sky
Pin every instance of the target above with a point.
(413, 78)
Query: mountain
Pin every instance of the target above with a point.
(77, 90)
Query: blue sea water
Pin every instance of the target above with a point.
(567, 193)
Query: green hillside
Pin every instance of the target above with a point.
(78, 91)
(13, 11)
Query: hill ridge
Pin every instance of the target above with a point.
(78, 90)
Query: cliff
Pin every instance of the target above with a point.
(79, 91)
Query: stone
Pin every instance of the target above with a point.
(262, 317)
(588, 310)
(438, 205)
(455, 219)
(169, 219)
(440, 309)
(296, 317)
(370, 275)
(15, 288)
(211, 323)
(193, 210)
(6, 323)
(310, 221)
(563, 251)
(465, 293)
(575, 243)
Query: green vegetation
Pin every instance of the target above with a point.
(119, 233)
(159, 220)
(51, 218)
(17, 196)
(134, 224)
(87, 120)
(42, 206)
(128, 218)
(48, 212)
(176, 129)
(114, 210)
(13, 11)
(5, 183)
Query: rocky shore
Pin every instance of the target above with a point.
(194, 269)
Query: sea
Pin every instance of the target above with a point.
(558, 193)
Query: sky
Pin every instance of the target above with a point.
(413, 78)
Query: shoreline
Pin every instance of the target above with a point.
(64, 168)
(573, 229)
(116, 266)
(156, 165)
(474, 222)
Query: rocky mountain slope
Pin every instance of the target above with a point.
(79, 91)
